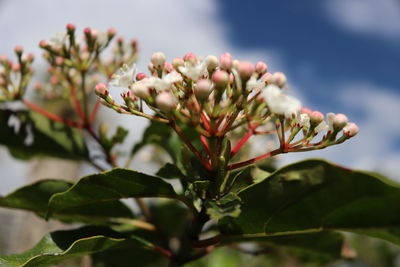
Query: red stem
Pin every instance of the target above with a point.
(205, 144)
(205, 121)
(253, 160)
(190, 145)
(52, 116)
(94, 111)
(243, 140)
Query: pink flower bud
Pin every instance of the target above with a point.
(18, 49)
(43, 44)
(279, 79)
(120, 40)
(202, 89)
(59, 61)
(168, 67)
(235, 63)
(190, 57)
(220, 78)
(225, 61)
(339, 121)
(140, 76)
(245, 70)
(305, 111)
(267, 78)
(212, 62)
(127, 94)
(261, 67)
(316, 117)
(351, 129)
(158, 59)
(177, 62)
(87, 31)
(16, 67)
(30, 57)
(111, 32)
(70, 27)
(165, 101)
(101, 89)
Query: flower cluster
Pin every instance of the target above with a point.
(215, 95)
(15, 76)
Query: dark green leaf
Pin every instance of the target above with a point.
(108, 186)
(315, 195)
(35, 198)
(63, 245)
(40, 136)
(227, 206)
(170, 171)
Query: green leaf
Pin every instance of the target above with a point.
(108, 186)
(229, 205)
(63, 245)
(35, 198)
(171, 171)
(40, 136)
(314, 195)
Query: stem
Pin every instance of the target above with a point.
(144, 208)
(189, 144)
(253, 160)
(50, 115)
(243, 140)
(94, 111)
(205, 144)
(84, 96)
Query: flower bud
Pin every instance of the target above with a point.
(279, 79)
(220, 78)
(177, 62)
(305, 111)
(168, 67)
(101, 89)
(316, 117)
(70, 27)
(141, 89)
(235, 64)
(351, 129)
(339, 121)
(261, 67)
(140, 76)
(120, 40)
(225, 61)
(158, 59)
(245, 70)
(202, 89)
(111, 32)
(43, 44)
(165, 101)
(127, 95)
(212, 62)
(267, 78)
(190, 57)
(16, 67)
(18, 50)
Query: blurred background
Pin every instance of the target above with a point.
(339, 56)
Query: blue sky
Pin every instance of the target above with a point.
(340, 56)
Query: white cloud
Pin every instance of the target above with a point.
(379, 18)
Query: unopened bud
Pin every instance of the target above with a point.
(87, 31)
(16, 67)
(316, 117)
(191, 57)
(226, 61)
(165, 101)
(202, 89)
(339, 121)
(120, 40)
(212, 62)
(101, 89)
(220, 78)
(158, 59)
(168, 67)
(140, 76)
(70, 27)
(261, 67)
(18, 50)
(127, 94)
(279, 79)
(177, 62)
(140, 89)
(43, 44)
(305, 111)
(245, 70)
(111, 32)
(59, 61)
(351, 129)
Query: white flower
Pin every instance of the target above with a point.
(305, 120)
(141, 88)
(166, 82)
(124, 76)
(193, 71)
(280, 103)
(322, 126)
(254, 85)
(58, 39)
(165, 101)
